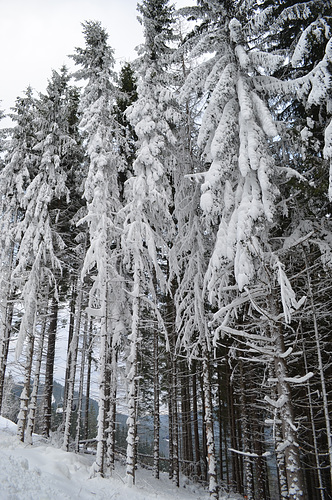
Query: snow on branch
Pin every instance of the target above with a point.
(277, 404)
(269, 62)
(288, 299)
(294, 12)
(299, 380)
(328, 154)
(319, 30)
(223, 91)
(248, 454)
(264, 116)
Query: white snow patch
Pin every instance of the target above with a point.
(41, 472)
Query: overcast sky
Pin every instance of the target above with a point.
(36, 36)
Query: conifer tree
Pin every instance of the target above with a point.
(14, 176)
(303, 99)
(38, 263)
(239, 195)
(148, 223)
(103, 140)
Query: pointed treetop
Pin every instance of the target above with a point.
(97, 56)
(94, 33)
(157, 19)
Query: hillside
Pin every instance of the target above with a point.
(43, 471)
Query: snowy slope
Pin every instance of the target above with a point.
(43, 472)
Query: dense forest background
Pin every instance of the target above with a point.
(178, 213)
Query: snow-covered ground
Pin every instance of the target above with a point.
(44, 472)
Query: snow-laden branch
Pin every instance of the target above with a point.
(298, 379)
(249, 454)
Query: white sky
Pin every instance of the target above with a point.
(36, 37)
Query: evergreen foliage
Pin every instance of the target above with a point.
(178, 215)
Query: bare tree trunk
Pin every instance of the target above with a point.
(72, 352)
(81, 385)
(321, 372)
(283, 487)
(48, 390)
(4, 344)
(70, 337)
(220, 422)
(289, 446)
(235, 460)
(198, 469)
(262, 487)
(313, 427)
(156, 405)
(101, 434)
(203, 431)
(170, 420)
(175, 458)
(88, 383)
(35, 387)
(112, 406)
(24, 398)
(211, 452)
(174, 420)
(187, 440)
(6, 311)
(248, 479)
(132, 379)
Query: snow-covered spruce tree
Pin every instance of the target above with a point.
(103, 140)
(303, 100)
(37, 261)
(239, 193)
(14, 177)
(148, 224)
(187, 259)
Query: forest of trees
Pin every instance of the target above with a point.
(178, 212)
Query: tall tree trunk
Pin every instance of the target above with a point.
(203, 432)
(289, 446)
(211, 452)
(235, 459)
(72, 352)
(169, 319)
(262, 486)
(132, 379)
(187, 438)
(48, 390)
(24, 398)
(156, 405)
(226, 443)
(88, 382)
(170, 418)
(320, 367)
(4, 344)
(220, 422)
(73, 300)
(313, 427)
(99, 467)
(112, 406)
(198, 469)
(186, 421)
(81, 385)
(248, 478)
(6, 312)
(35, 387)
(282, 475)
(175, 422)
